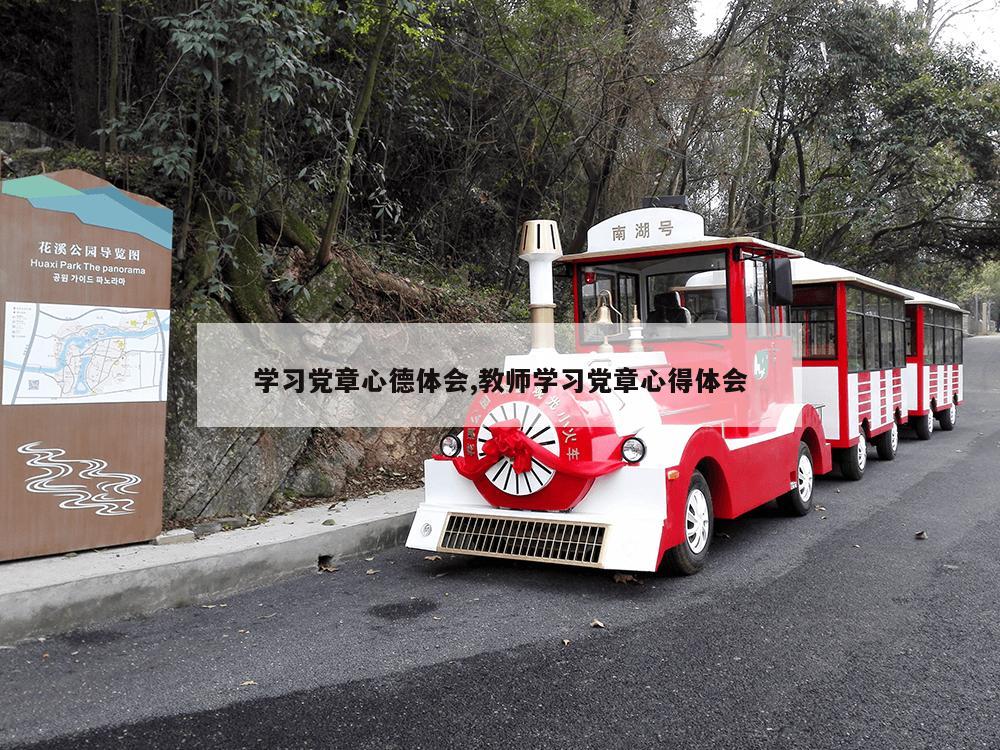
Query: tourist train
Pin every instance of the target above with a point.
(759, 369)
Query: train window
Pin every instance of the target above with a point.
(876, 330)
(888, 349)
(855, 342)
(911, 331)
(871, 343)
(942, 336)
(594, 284)
(628, 293)
(689, 291)
(819, 331)
(759, 313)
(928, 337)
(814, 310)
(854, 300)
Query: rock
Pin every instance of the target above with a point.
(206, 527)
(15, 136)
(174, 536)
(233, 522)
(325, 297)
(220, 471)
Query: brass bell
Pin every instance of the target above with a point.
(603, 315)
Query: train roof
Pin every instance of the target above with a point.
(809, 271)
(919, 298)
(651, 230)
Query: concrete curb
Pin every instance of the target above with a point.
(56, 594)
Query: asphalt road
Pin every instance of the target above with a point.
(838, 630)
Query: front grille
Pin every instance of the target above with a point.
(525, 539)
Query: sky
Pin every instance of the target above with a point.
(982, 28)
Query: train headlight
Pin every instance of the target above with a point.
(633, 450)
(451, 446)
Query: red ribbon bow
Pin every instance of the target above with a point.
(507, 440)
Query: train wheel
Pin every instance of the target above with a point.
(948, 417)
(688, 557)
(854, 460)
(924, 426)
(888, 443)
(798, 502)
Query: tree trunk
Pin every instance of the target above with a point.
(357, 122)
(597, 183)
(734, 215)
(803, 196)
(114, 63)
(85, 73)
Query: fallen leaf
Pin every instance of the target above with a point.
(820, 508)
(920, 535)
(723, 535)
(595, 623)
(948, 566)
(247, 683)
(209, 606)
(432, 558)
(627, 578)
(857, 546)
(370, 572)
(328, 567)
(435, 617)
(369, 559)
(565, 641)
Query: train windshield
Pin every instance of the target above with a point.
(679, 296)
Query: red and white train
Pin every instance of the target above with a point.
(853, 358)
(933, 379)
(629, 480)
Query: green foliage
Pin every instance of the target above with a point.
(834, 125)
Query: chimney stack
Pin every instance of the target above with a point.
(539, 247)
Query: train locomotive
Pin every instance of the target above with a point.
(630, 480)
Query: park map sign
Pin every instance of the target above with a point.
(85, 319)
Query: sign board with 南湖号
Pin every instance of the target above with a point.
(85, 319)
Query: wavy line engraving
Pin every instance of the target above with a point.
(110, 486)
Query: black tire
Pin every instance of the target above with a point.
(923, 426)
(684, 559)
(854, 460)
(947, 418)
(798, 502)
(888, 443)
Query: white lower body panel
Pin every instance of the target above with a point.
(630, 505)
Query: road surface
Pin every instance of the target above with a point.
(838, 630)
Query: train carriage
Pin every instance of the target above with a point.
(933, 379)
(853, 331)
(625, 480)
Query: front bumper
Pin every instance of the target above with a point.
(618, 526)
